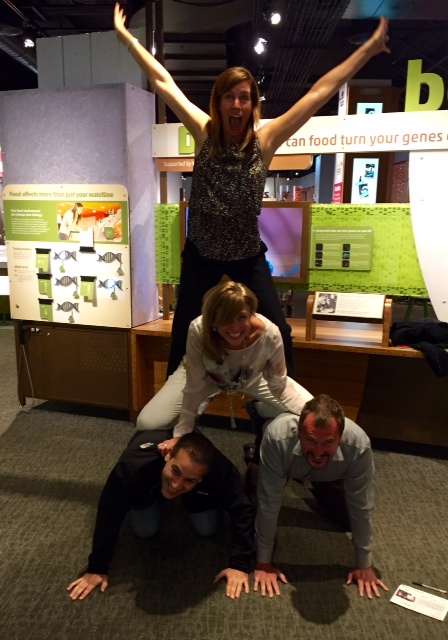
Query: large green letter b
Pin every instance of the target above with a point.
(414, 81)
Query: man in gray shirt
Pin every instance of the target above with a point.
(321, 446)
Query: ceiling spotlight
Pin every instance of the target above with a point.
(274, 17)
(261, 46)
(262, 97)
(29, 38)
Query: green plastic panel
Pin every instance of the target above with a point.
(167, 221)
(395, 267)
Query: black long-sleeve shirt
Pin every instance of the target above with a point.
(135, 483)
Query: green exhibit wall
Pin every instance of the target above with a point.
(168, 249)
(395, 268)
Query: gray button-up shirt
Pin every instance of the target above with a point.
(282, 458)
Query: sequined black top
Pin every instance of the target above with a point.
(226, 197)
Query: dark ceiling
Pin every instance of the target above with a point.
(203, 37)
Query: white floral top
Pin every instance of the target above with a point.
(240, 370)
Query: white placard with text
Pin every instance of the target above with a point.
(355, 305)
(421, 602)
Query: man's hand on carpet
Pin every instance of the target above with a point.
(80, 589)
(236, 580)
(367, 582)
(267, 576)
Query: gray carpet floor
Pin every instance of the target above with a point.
(53, 463)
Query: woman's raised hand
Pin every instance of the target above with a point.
(379, 38)
(119, 24)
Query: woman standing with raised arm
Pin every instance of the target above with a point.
(231, 166)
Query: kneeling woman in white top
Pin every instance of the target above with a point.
(230, 348)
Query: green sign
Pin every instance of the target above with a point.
(46, 310)
(40, 221)
(88, 287)
(186, 141)
(341, 248)
(43, 259)
(44, 281)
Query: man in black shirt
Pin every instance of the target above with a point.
(140, 482)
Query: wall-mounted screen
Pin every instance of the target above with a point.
(285, 230)
(369, 108)
(364, 180)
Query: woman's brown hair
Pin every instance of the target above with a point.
(221, 305)
(225, 82)
(75, 211)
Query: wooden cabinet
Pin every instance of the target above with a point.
(74, 364)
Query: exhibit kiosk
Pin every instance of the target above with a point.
(79, 193)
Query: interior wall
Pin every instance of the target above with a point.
(87, 59)
(428, 182)
(141, 184)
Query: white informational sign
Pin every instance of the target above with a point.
(68, 253)
(409, 131)
(338, 178)
(364, 180)
(343, 100)
(421, 602)
(339, 160)
(350, 305)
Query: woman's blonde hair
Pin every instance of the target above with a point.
(225, 82)
(221, 305)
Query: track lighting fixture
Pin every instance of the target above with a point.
(29, 37)
(274, 17)
(261, 45)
